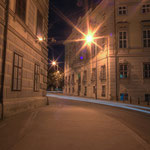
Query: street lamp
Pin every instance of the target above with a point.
(54, 63)
(89, 38)
(40, 38)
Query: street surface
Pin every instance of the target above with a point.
(73, 125)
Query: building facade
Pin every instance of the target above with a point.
(23, 74)
(117, 67)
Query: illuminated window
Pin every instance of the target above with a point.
(103, 73)
(17, 73)
(146, 38)
(146, 8)
(124, 71)
(36, 78)
(103, 91)
(123, 96)
(146, 70)
(122, 10)
(39, 29)
(123, 39)
(21, 9)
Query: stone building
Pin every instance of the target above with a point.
(23, 25)
(118, 66)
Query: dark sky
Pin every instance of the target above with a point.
(58, 28)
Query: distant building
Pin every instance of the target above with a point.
(120, 67)
(25, 76)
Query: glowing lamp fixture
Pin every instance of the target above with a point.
(53, 63)
(40, 38)
(89, 38)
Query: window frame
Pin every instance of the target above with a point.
(85, 76)
(146, 8)
(93, 78)
(103, 72)
(18, 68)
(124, 70)
(147, 39)
(122, 40)
(103, 94)
(21, 15)
(39, 24)
(146, 71)
(147, 97)
(122, 10)
(36, 87)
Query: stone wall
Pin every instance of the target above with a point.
(22, 39)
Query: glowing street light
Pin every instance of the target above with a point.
(54, 63)
(40, 38)
(89, 38)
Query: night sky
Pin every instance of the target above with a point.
(58, 28)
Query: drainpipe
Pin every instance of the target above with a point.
(116, 51)
(4, 58)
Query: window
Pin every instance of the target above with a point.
(39, 30)
(69, 81)
(103, 91)
(103, 73)
(94, 89)
(146, 8)
(17, 72)
(72, 89)
(146, 70)
(147, 97)
(146, 38)
(85, 76)
(72, 81)
(93, 74)
(122, 10)
(79, 78)
(36, 78)
(85, 91)
(21, 9)
(123, 39)
(123, 68)
(123, 96)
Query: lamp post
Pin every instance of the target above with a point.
(89, 40)
(54, 63)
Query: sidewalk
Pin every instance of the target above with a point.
(118, 104)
